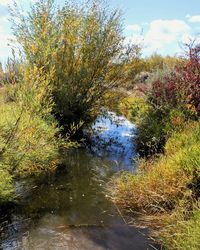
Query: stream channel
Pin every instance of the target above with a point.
(71, 210)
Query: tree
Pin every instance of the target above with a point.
(81, 47)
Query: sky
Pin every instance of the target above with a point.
(160, 26)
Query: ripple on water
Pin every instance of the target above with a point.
(71, 211)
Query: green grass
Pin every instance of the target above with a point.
(182, 234)
(1, 95)
(163, 185)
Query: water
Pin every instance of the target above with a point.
(71, 210)
(111, 138)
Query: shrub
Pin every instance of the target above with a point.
(167, 180)
(128, 105)
(28, 143)
(29, 134)
(172, 96)
(179, 88)
(82, 47)
(151, 133)
(153, 127)
(168, 185)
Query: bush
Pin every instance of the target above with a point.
(28, 143)
(167, 180)
(169, 185)
(178, 89)
(152, 128)
(172, 97)
(151, 133)
(29, 134)
(167, 189)
(82, 47)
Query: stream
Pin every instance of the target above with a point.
(71, 209)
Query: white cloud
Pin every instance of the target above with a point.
(167, 29)
(188, 39)
(133, 27)
(162, 34)
(193, 19)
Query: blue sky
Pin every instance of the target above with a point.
(160, 26)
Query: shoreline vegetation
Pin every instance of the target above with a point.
(164, 193)
(57, 85)
(74, 61)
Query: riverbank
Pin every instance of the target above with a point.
(71, 208)
(29, 145)
(165, 191)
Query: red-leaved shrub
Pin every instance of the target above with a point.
(181, 88)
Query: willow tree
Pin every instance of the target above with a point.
(82, 47)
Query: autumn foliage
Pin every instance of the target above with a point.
(180, 88)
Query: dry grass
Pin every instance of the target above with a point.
(164, 190)
(161, 183)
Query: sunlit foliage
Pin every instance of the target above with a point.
(82, 47)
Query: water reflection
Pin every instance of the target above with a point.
(112, 137)
(70, 210)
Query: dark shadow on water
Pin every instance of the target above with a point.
(70, 210)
